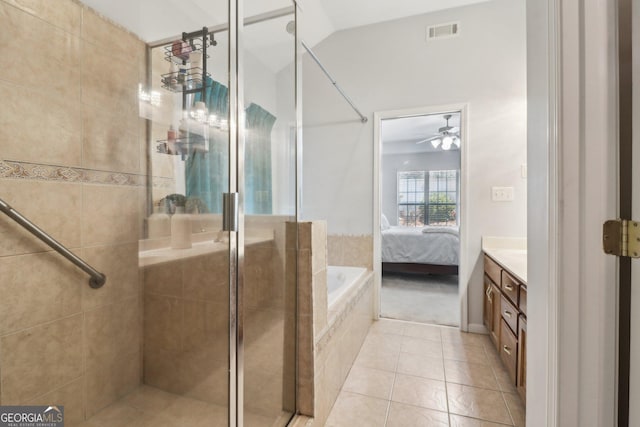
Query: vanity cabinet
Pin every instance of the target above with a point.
(505, 317)
(492, 310)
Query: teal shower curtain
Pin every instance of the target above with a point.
(207, 174)
(257, 163)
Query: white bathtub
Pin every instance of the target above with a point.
(340, 279)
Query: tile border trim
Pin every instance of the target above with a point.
(55, 173)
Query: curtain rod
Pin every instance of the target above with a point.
(363, 119)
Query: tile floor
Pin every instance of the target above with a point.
(411, 374)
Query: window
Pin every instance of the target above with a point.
(427, 198)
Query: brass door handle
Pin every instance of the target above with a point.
(508, 287)
(508, 314)
(506, 350)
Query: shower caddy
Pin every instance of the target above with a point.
(193, 81)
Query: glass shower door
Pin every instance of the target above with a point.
(268, 198)
(187, 259)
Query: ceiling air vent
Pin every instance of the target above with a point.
(443, 31)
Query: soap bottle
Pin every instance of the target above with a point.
(158, 223)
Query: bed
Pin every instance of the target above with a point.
(432, 250)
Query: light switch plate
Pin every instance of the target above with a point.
(502, 194)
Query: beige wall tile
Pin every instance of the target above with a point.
(110, 81)
(70, 396)
(161, 370)
(320, 304)
(48, 57)
(112, 330)
(334, 250)
(39, 360)
(54, 207)
(109, 36)
(111, 382)
(65, 14)
(110, 139)
(164, 279)
(304, 235)
(109, 214)
(206, 324)
(207, 277)
(38, 288)
(112, 353)
(163, 323)
(319, 245)
(120, 264)
(46, 131)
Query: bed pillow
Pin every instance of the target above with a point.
(441, 229)
(384, 223)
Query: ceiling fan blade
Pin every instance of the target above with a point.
(431, 138)
(454, 129)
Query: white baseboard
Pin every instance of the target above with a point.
(478, 328)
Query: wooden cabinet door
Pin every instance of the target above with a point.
(488, 305)
(522, 358)
(497, 315)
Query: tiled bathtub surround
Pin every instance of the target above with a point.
(80, 180)
(348, 250)
(327, 344)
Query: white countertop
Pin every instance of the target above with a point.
(510, 253)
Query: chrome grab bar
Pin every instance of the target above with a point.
(97, 279)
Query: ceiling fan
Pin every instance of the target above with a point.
(448, 136)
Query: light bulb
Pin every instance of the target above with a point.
(446, 142)
(435, 143)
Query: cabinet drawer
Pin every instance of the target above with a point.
(522, 303)
(510, 287)
(492, 270)
(508, 350)
(509, 313)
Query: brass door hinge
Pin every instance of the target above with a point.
(621, 237)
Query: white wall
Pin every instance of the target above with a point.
(393, 163)
(390, 66)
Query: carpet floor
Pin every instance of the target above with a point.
(421, 298)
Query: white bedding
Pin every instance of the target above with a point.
(411, 244)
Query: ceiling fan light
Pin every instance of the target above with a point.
(456, 142)
(446, 142)
(435, 142)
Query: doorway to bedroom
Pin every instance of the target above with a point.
(419, 199)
